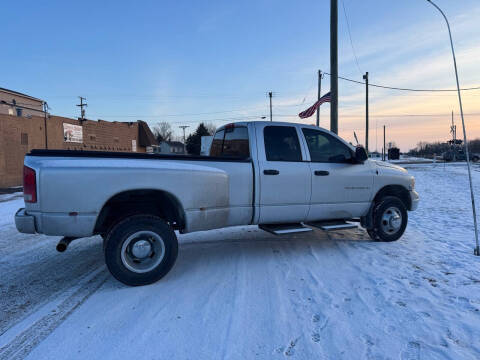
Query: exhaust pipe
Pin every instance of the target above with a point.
(64, 242)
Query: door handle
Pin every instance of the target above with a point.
(271, 172)
(321, 172)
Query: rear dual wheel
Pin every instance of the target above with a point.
(389, 219)
(140, 250)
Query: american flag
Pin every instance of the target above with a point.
(311, 110)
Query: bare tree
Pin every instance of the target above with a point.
(211, 128)
(163, 131)
(391, 144)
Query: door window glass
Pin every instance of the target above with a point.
(281, 143)
(325, 148)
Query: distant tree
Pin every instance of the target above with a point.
(194, 140)
(163, 131)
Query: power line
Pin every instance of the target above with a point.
(387, 115)
(350, 36)
(404, 89)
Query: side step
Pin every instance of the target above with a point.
(332, 225)
(282, 229)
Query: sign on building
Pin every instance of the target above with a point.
(134, 145)
(72, 133)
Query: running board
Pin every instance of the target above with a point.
(332, 225)
(282, 229)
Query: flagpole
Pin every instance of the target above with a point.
(319, 95)
(334, 65)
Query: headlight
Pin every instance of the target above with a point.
(412, 183)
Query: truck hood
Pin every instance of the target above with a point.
(386, 165)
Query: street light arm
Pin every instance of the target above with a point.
(477, 248)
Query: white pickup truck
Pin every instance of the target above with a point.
(284, 177)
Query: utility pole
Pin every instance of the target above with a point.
(270, 94)
(82, 105)
(45, 108)
(384, 149)
(453, 130)
(320, 75)
(183, 127)
(334, 65)
(365, 77)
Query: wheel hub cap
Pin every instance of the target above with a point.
(391, 220)
(141, 249)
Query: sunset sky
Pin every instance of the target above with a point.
(213, 61)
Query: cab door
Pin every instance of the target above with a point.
(341, 188)
(285, 180)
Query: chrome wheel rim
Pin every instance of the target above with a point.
(143, 251)
(391, 220)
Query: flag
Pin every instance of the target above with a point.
(311, 110)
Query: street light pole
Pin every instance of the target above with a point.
(477, 248)
(183, 127)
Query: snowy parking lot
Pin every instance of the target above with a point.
(241, 293)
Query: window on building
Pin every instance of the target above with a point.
(281, 143)
(325, 148)
(24, 138)
(19, 112)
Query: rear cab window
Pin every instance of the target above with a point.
(231, 142)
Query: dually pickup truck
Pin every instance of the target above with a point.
(283, 177)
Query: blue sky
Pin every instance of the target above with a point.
(214, 61)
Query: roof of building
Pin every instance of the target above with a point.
(174, 143)
(20, 94)
(145, 136)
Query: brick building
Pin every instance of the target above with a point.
(18, 104)
(20, 134)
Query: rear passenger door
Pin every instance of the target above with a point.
(285, 181)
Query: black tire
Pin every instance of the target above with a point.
(475, 159)
(383, 208)
(120, 257)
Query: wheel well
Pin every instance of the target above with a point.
(146, 201)
(397, 191)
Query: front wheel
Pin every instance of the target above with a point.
(389, 219)
(140, 250)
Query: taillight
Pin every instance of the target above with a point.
(29, 185)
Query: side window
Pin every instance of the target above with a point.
(231, 142)
(325, 148)
(217, 143)
(281, 143)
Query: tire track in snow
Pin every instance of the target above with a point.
(26, 341)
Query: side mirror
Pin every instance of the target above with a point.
(360, 154)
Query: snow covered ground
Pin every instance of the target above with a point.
(241, 293)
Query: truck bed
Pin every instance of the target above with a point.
(131, 155)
